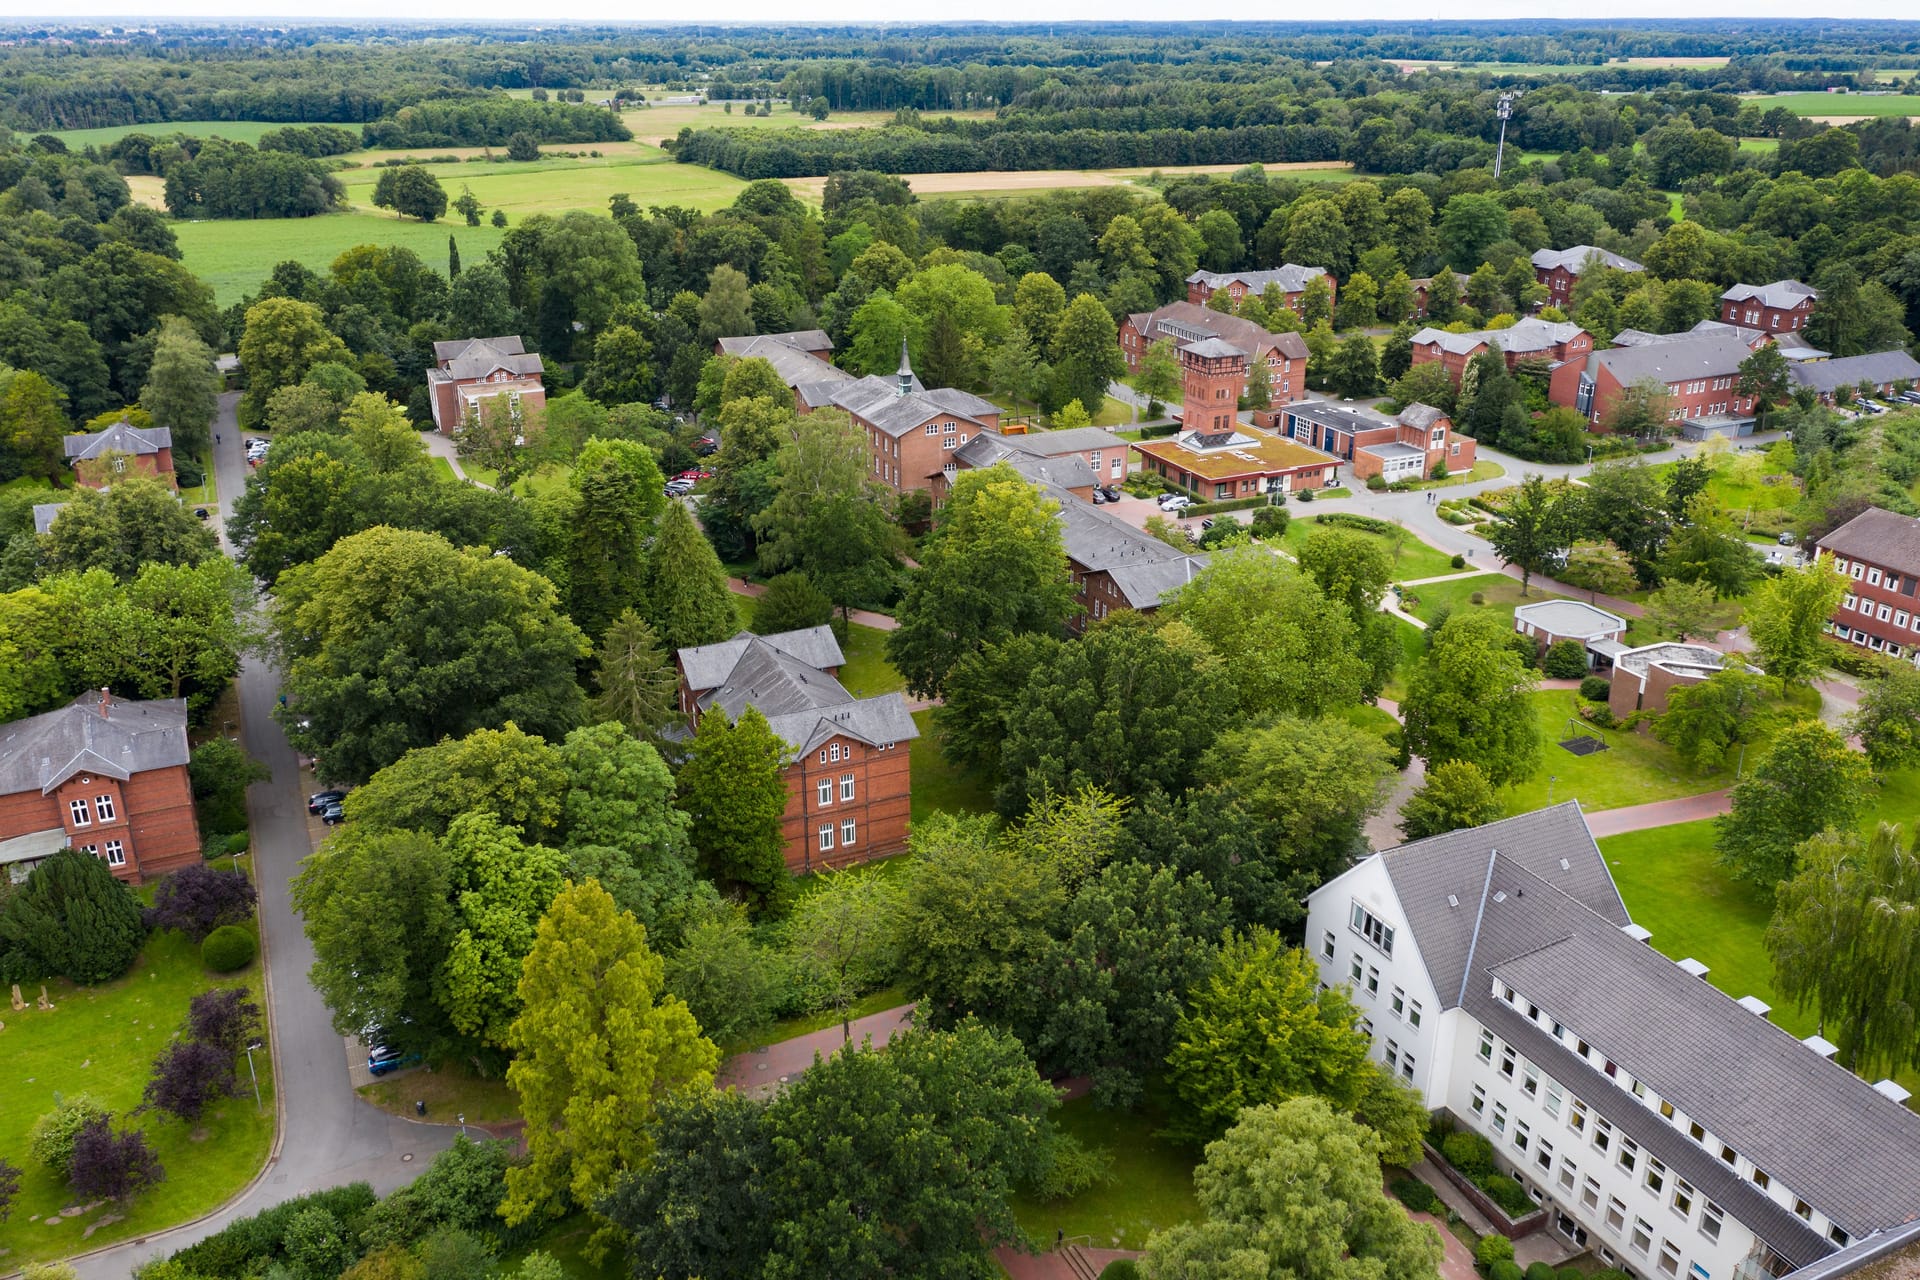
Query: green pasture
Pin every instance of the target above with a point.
(1841, 104)
(233, 130)
(234, 256)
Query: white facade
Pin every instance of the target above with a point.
(1602, 1189)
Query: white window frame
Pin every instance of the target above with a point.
(847, 832)
(103, 805)
(846, 786)
(824, 791)
(826, 838)
(82, 815)
(115, 853)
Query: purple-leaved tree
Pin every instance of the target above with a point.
(109, 1165)
(9, 1188)
(198, 899)
(226, 1018)
(188, 1077)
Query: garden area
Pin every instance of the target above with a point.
(939, 785)
(1411, 557)
(1149, 1185)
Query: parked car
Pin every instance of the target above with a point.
(676, 488)
(1113, 494)
(321, 799)
(1207, 523)
(1787, 539)
(1179, 502)
(202, 513)
(706, 446)
(384, 1058)
(694, 474)
(1100, 497)
(333, 815)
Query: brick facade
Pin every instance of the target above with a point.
(1284, 354)
(1785, 306)
(1879, 552)
(880, 780)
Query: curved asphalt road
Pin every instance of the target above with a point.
(328, 1136)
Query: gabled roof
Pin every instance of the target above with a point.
(118, 438)
(45, 513)
(792, 361)
(1052, 444)
(1694, 355)
(1421, 416)
(1147, 586)
(1067, 470)
(1576, 257)
(1212, 349)
(1523, 336)
(1782, 295)
(1570, 618)
(807, 340)
(1883, 537)
(1352, 419)
(874, 721)
(1189, 322)
(1291, 278)
(43, 751)
(461, 360)
(878, 402)
(708, 666)
(1877, 367)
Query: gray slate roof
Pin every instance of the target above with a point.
(1146, 586)
(1570, 618)
(1791, 343)
(1575, 258)
(1691, 356)
(878, 401)
(1422, 416)
(45, 513)
(43, 751)
(1068, 470)
(1810, 1123)
(1877, 367)
(707, 666)
(870, 720)
(478, 357)
(798, 339)
(1881, 537)
(1341, 417)
(118, 438)
(1528, 334)
(791, 361)
(1212, 349)
(1291, 278)
(1051, 444)
(1180, 321)
(1783, 295)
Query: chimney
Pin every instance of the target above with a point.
(106, 700)
(905, 372)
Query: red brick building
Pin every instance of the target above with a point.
(1840, 380)
(849, 781)
(1290, 281)
(1551, 621)
(1116, 565)
(1700, 371)
(1643, 678)
(1423, 289)
(1408, 447)
(1285, 354)
(913, 435)
(97, 457)
(1784, 306)
(1880, 552)
(1077, 459)
(1215, 456)
(471, 370)
(1564, 346)
(106, 777)
(803, 359)
(1559, 269)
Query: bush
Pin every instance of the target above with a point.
(1348, 520)
(1504, 1270)
(1601, 715)
(1069, 1167)
(1542, 1271)
(1595, 688)
(188, 476)
(1492, 1249)
(1459, 562)
(1270, 522)
(1470, 1153)
(1415, 1194)
(51, 1142)
(1565, 660)
(1230, 504)
(1478, 597)
(71, 918)
(461, 1188)
(228, 948)
(1509, 1195)
(250, 1245)
(196, 900)
(791, 603)
(1305, 495)
(1121, 1269)
(1377, 484)
(221, 772)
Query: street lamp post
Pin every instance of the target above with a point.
(258, 1106)
(463, 1123)
(1551, 779)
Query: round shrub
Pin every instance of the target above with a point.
(1508, 1194)
(1377, 484)
(1565, 660)
(1542, 1271)
(228, 948)
(1458, 562)
(1415, 1194)
(1477, 598)
(1492, 1249)
(1595, 688)
(1504, 1271)
(1470, 1153)
(1121, 1269)
(51, 1143)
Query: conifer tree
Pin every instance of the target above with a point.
(732, 788)
(637, 686)
(686, 597)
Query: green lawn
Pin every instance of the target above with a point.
(556, 183)
(567, 1242)
(443, 468)
(1763, 145)
(867, 671)
(1498, 593)
(101, 1041)
(449, 1089)
(1152, 1187)
(938, 785)
(235, 255)
(208, 492)
(247, 131)
(1636, 769)
(1840, 104)
(1415, 559)
(1482, 470)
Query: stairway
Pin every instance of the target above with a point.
(1078, 1263)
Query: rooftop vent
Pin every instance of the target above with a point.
(1755, 1005)
(1821, 1045)
(1892, 1090)
(1693, 967)
(1565, 865)
(1499, 895)
(1452, 900)
(1639, 933)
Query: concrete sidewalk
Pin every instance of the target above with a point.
(1661, 813)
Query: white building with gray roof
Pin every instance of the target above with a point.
(1670, 1128)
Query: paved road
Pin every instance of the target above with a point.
(1660, 813)
(328, 1135)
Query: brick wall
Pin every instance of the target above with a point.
(879, 810)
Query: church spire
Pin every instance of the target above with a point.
(905, 372)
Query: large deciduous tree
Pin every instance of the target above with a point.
(394, 640)
(1085, 354)
(137, 522)
(1788, 616)
(1295, 1190)
(617, 487)
(996, 567)
(1467, 699)
(1845, 941)
(1456, 794)
(1808, 782)
(733, 788)
(183, 386)
(1532, 529)
(283, 338)
(1887, 719)
(1704, 721)
(598, 1044)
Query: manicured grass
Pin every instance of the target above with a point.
(867, 671)
(566, 1241)
(807, 1023)
(247, 131)
(449, 1089)
(101, 1041)
(1414, 559)
(1152, 1187)
(1762, 145)
(938, 785)
(1636, 769)
(1841, 104)
(209, 492)
(443, 468)
(1482, 470)
(1497, 592)
(557, 183)
(234, 256)
(1341, 492)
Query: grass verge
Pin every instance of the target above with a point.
(1151, 1190)
(938, 785)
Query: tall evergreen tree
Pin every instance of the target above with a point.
(636, 682)
(453, 257)
(71, 919)
(183, 387)
(618, 487)
(733, 788)
(686, 597)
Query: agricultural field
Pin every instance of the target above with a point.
(1852, 105)
(248, 131)
(1031, 181)
(652, 124)
(234, 256)
(554, 184)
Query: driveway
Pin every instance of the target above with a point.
(328, 1136)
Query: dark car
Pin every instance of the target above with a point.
(706, 446)
(202, 513)
(1100, 498)
(384, 1058)
(1113, 494)
(321, 799)
(333, 815)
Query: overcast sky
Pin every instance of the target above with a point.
(530, 11)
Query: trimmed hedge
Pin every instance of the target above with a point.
(228, 948)
(1595, 688)
(1348, 520)
(1231, 504)
(1415, 1194)
(1121, 1269)
(238, 1249)
(1493, 1249)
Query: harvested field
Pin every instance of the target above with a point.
(983, 181)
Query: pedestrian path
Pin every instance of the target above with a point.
(765, 1069)
(1661, 813)
(859, 617)
(1445, 577)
